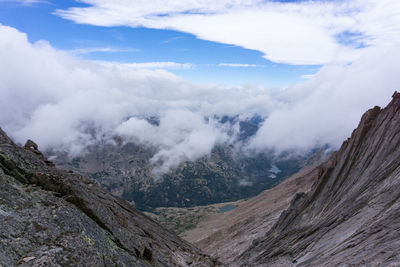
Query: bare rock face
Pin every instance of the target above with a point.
(351, 216)
(50, 217)
(227, 235)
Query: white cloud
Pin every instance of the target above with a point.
(325, 109)
(58, 100)
(239, 65)
(182, 135)
(307, 32)
(159, 65)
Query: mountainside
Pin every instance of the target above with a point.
(50, 217)
(227, 235)
(350, 215)
(125, 170)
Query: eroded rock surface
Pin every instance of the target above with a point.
(50, 217)
(351, 216)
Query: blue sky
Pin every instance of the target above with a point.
(127, 45)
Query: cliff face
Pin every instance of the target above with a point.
(50, 217)
(352, 213)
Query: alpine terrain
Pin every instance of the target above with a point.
(345, 211)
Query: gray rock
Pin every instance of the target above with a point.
(50, 217)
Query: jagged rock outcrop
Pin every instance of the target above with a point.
(351, 216)
(50, 217)
(32, 146)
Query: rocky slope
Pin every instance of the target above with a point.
(227, 235)
(125, 170)
(57, 218)
(351, 216)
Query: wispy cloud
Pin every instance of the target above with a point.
(88, 50)
(27, 2)
(304, 32)
(240, 65)
(155, 65)
(173, 39)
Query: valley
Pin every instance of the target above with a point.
(226, 175)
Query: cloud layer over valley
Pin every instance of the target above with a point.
(64, 102)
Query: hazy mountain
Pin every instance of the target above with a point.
(125, 169)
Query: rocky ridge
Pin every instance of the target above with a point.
(351, 215)
(50, 217)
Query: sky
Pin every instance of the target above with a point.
(200, 60)
(309, 68)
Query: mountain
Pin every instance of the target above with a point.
(50, 217)
(348, 214)
(225, 175)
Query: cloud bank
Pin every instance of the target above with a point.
(64, 102)
(325, 109)
(305, 32)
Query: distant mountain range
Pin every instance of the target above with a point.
(226, 175)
